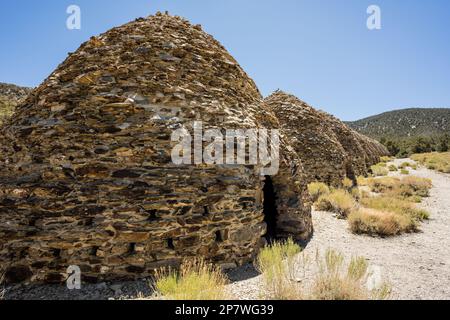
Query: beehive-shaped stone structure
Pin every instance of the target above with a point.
(329, 150)
(86, 175)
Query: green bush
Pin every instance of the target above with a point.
(276, 263)
(196, 280)
(382, 223)
(393, 168)
(317, 189)
(379, 171)
(394, 204)
(338, 201)
(405, 147)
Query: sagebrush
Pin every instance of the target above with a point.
(196, 280)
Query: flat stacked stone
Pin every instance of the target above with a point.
(329, 149)
(86, 176)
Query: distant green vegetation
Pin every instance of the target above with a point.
(10, 97)
(425, 122)
(6, 110)
(409, 131)
(405, 147)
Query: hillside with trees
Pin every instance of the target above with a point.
(409, 131)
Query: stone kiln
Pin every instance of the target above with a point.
(86, 176)
(328, 149)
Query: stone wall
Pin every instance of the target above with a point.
(328, 149)
(86, 176)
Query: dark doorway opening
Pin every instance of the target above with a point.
(270, 209)
(351, 174)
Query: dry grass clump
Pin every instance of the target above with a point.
(362, 181)
(379, 171)
(383, 184)
(347, 184)
(196, 280)
(393, 168)
(386, 216)
(390, 212)
(338, 201)
(404, 171)
(395, 205)
(386, 159)
(337, 281)
(383, 223)
(277, 264)
(405, 188)
(333, 279)
(415, 186)
(405, 165)
(434, 161)
(393, 211)
(318, 189)
(357, 194)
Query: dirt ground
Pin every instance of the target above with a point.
(417, 265)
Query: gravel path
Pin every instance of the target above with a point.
(417, 265)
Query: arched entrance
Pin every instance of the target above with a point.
(270, 209)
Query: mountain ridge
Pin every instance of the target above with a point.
(405, 123)
(10, 96)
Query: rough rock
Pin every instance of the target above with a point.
(329, 149)
(86, 176)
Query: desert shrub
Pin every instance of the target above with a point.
(379, 171)
(338, 201)
(356, 193)
(362, 181)
(393, 168)
(407, 187)
(415, 199)
(383, 223)
(347, 184)
(386, 159)
(383, 184)
(396, 205)
(404, 171)
(317, 189)
(276, 262)
(337, 281)
(334, 280)
(405, 165)
(196, 280)
(415, 186)
(363, 194)
(434, 161)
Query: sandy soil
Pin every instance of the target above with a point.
(417, 265)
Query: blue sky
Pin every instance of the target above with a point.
(319, 50)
